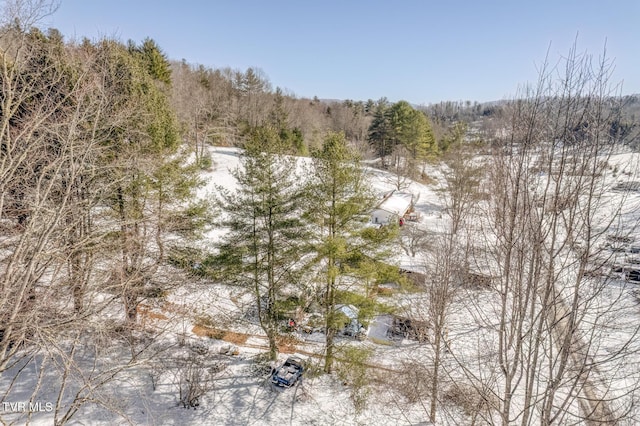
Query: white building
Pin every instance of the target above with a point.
(353, 327)
(392, 208)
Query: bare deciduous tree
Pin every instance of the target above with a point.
(444, 265)
(543, 222)
(462, 178)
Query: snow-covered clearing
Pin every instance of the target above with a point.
(210, 325)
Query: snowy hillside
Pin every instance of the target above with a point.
(205, 331)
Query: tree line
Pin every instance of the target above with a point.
(93, 179)
(101, 145)
(221, 106)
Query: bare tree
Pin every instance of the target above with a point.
(414, 239)
(59, 113)
(444, 264)
(26, 13)
(48, 171)
(402, 169)
(203, 101)
(462, 176)
(544, 221)
(41, 166)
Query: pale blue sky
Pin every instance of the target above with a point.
(419, 51)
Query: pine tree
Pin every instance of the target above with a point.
(401, 129)
(341, 203)
(380, 132)
(411, 130)
(151, 184)
(262, 251)
(291, 137)
(153, 59)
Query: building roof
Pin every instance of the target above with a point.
(397, 203)
(349, 310)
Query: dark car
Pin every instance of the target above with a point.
(632, 275)
(288, 373)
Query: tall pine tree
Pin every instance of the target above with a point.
(263, 248)
(341, 202)
(380, 132)
(150, 182)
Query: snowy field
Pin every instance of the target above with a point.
(239, 390)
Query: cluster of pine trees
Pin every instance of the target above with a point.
(93, 179)
(296, 227)
(101, 145)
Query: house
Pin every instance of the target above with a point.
(393, 207)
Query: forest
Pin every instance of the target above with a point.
(140, 195)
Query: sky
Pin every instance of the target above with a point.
(420, 51)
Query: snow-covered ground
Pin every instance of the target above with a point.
(147, 391)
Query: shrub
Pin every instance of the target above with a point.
(205, 162)
(352, 370)
(474, 400)
(194, 380)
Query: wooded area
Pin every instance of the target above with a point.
(103, 146)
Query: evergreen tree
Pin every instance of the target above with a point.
(142, 156)
(454, 137)
(401, 131)
(291, 138)
(341, 203)
(263, 248)
(153, 59)
(380, 132)
(411, 130)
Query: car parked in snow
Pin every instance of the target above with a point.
(632, 275)
(288, 373)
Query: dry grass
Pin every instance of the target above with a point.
(214, 333)
(235, 338)
(473, 401)
(385, 291)
(175, 308)
(146, 313)
(204, 331)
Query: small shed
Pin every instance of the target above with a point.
(353, 327)
(349, 310)
(393, 207)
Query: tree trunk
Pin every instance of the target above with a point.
(435, 383)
